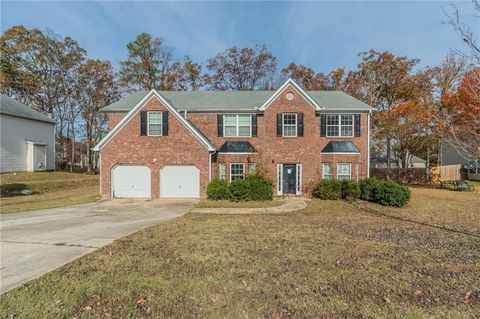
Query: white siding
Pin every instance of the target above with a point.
(14, 131)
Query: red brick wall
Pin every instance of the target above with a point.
(114, 118)
(129, 147)
(273, 150)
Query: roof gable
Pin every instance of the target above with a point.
(137, 108)
(291, 82)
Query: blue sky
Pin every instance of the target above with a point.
(322, 35)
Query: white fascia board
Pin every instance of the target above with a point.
(280, 90)
(136, 109)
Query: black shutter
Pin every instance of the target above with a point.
(143, 123)
(254, 125)
(357, 124)
(299, 124)
(279, 125)
(220, 124)
(165, 123)
(323, 125)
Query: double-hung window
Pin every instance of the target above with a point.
(251, 168)
(237, 125)
(222, 171)
(327, 171)
(289, 122)
(340, 125)
(237, 171)
(344, 171)
(154, 123)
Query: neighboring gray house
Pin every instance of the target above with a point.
(379, 160)
(27, 138)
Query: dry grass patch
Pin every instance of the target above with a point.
(330, 260)
(51, 189)
(229, 204)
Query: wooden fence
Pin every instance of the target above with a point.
(447, 173)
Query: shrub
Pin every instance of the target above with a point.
(217, 189)
(367, 188)
(239, 190)
(389, 193)
(11, 189)
(261, 188)
(328, 189)
(350, 189)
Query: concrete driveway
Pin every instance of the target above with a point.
(34, 243)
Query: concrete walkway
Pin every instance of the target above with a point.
(290, 204)
(34, 243)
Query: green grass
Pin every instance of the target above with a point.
(50, 189)
(229, 204)
(475, 183)
(330, 260)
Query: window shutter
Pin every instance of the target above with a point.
(254, 125)
(279, 125)
(165, 123)
(143, 123)
(357, 124)
(323, 125)
(299, 124)
(220, 124)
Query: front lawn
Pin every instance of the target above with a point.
(330, 260)
(206, 203)
(50, 189)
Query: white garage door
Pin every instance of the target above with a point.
(131, 181)
(180, 181)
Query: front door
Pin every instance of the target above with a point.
(289, 178)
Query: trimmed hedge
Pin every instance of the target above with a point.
(328, 189)
(253, 187)
(386, 193)
(217, 189)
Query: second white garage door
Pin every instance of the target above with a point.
(179, 181)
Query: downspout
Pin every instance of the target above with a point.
(368, 144)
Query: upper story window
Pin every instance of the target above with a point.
(289, 123)
(237, 125)
(154, 121)
(340, 125)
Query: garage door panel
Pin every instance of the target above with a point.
(180, 181)
(131, 181)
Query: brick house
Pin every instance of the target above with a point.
(171, 144)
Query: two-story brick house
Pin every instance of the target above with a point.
(171, 144)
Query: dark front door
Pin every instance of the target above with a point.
(289, 178)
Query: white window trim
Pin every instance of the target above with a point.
(230, 173)
(148, 123)
(290, 125)
(298, 180)
(350, 170)
(279, 179)
(339, 125)
(323, 170)
(237, 126)
(224, 171)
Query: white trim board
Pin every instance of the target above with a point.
(282, 88)
(137, 108)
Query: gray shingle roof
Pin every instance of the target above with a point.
(340, 147)
(11, 107)
(237, 100)
(237, 147)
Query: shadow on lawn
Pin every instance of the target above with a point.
(382, 214)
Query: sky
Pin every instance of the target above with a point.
(321, 35)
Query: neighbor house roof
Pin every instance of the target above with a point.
(14, 108)
(245, 101)
(236, 147)
(382, 157)
(340, 147)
